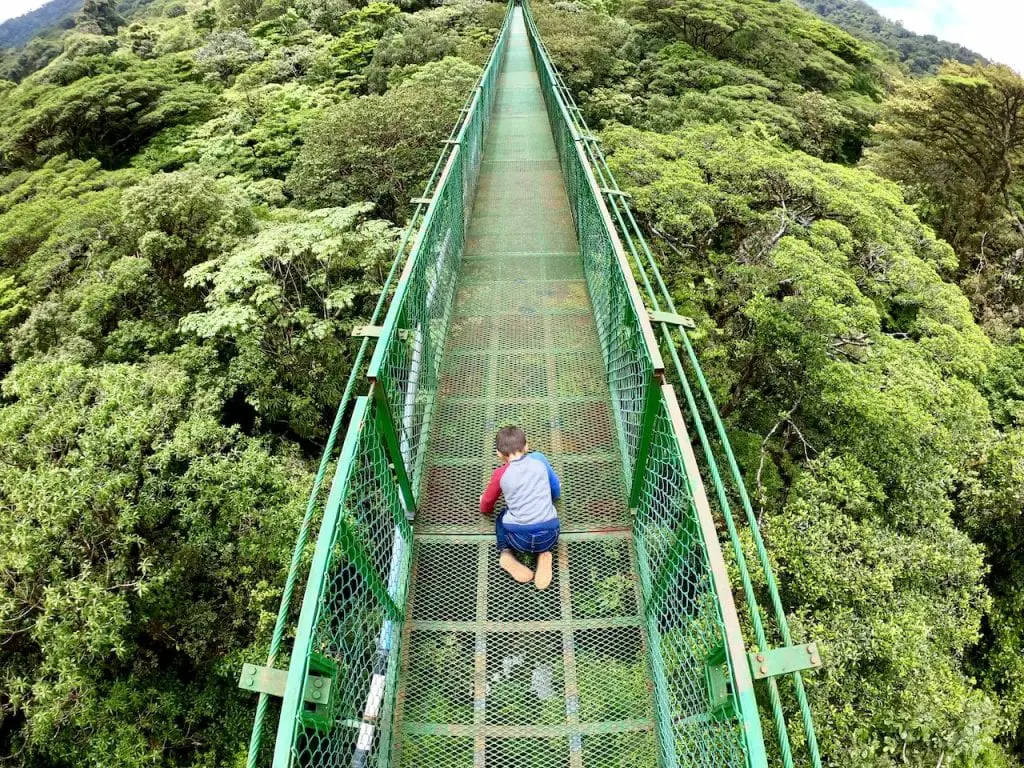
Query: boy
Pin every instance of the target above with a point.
(529, 521)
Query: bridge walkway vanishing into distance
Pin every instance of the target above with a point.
(517, 303)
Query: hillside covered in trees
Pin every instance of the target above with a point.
(199, 201)
(923, 54)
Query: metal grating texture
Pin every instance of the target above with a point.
(683, 608)
(496, 673)
(517, 305)
(500, 674)
(523, 346)
(626, 341)
(719, 466)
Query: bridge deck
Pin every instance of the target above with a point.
(496, 673)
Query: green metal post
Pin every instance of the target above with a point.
(277, 637)
(643, 449)
(355, 549)
(387, 427)
(416, 224)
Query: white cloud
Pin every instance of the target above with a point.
(11, 8)
(990, 27)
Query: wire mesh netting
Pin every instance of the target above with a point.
(350, 628)
(706, 714)
(342, 680)
(718, 466)
(408, 356)
(685, 617)
(523, 312)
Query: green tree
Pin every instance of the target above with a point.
(283, 303)
(411, 42)
(101, 15)
(109, 116)
(227, 53)
(180, 219)
(381, 148)
(17, 64)
(664, 65)
(956, 142)
(138, 542)
(258, 136)
(174, 343)
(922, 54)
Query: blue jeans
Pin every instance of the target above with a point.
(540, 537)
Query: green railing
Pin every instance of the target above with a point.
(706, 712)
(704, 418)
(338, 698)
(341, 682)
(408, 355)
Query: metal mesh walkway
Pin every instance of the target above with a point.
(493, 672)
(517, 304)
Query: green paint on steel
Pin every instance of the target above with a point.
(386, 425)
(669, 480)
(273, 681)
(651, 402)
(517, 304)
(292, 703)
(646, 268)
(781, 661)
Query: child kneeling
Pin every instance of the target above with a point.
(529, 521)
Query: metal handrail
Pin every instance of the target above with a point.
(402, 253)
(741, 679)
(637, 243)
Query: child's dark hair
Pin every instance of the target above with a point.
(510, 440)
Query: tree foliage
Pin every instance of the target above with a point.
(174, 339)
(380, 148)
(837, 337)
(956, 142)
(124, 500)
(283, 303)
(662, 65)
(100, 16)
(21, 29)
(108, 116)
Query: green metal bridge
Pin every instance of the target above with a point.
(517, 302)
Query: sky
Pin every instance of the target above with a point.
(11, 8)
(990, 27)
(993, 28)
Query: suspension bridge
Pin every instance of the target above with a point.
(516, 301)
